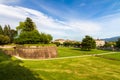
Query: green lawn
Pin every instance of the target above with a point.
(115, 56)
(11, 70)
(88, 68)
(66, 52)
(84, 68)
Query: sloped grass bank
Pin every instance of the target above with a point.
(88, 68)
(115, 56)
(67, 52)
(84, 68)
(11, 70)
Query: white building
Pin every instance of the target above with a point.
(99, 42)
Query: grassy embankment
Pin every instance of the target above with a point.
(10, 69)
(87, 68)
(66, 52)
(115, 56)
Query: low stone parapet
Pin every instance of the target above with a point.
(33, 52)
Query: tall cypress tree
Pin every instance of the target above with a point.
(1, 30)
(6, 30)
(29, 25)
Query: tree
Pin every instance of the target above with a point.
(88, 43)
(30, 35)
(57, 43)
(76, 44)
(67, 44)
(1, 30)
(27, 25)
(4, 39)
(109, 44)
(45, 38)
(118, 43)
(12, 35)
(6, 30)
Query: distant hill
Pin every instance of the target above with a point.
(112, 38)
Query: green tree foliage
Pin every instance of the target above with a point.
(27, 25)
(45, 38)
(88, 43)
(6, 30)
(118, 43)
(57, 43)
(76, 44)
(67, 44)
(4, 39)
(1, 30)
(21, 26)
(6, 33)
(11, 33)
(109, 44)
(30, 35)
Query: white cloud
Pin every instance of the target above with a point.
(85, 27)
(110, 25)
(8, 1)
(14, 14)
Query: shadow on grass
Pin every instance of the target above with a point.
(12, 70)
(79, 49)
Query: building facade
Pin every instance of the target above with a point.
(99, 42)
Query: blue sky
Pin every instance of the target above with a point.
(68, 19)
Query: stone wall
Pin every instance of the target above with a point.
(34, 52)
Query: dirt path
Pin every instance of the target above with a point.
(64, 57)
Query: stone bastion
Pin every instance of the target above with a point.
(33, 52)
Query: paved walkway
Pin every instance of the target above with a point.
(64, 57)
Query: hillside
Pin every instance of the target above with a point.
(112, 38)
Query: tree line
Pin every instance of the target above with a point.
(26, 33)
(7, 34)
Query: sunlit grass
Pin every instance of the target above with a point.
(88, 68)
(66, 52)
(115, 56)
(84, 68)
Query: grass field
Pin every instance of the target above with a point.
(115, 56)
(66, 52)
(84, 68)
(88, 68)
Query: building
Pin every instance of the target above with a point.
(99, 42)
(61, 41)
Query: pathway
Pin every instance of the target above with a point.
(64, 57)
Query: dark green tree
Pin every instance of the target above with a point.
(29, 25)
(4, 39)
(118, 43)
(1, 30)
(45, 38)
(6, 30)
(57, 43)
(12, 35)
(67, 44)
(76, 44)
(88, 43)
(30, 35)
